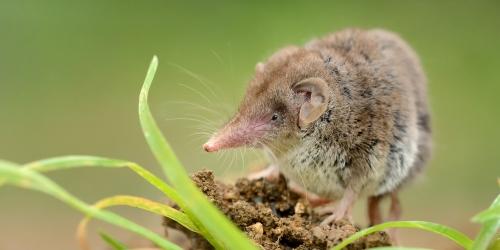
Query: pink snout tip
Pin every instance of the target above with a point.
(209, 147)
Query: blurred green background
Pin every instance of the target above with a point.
(70, 74)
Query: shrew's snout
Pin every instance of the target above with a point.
(235, 134)
(209, 146)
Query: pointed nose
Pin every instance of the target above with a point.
(209, 147)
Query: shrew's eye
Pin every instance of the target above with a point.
(274, 117)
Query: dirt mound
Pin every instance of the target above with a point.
(272, 216)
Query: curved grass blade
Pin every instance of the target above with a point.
(495, 244)
(115, 244)
(445, 231)
(212, 220)
(150, 206)
(6, 163)
(74, 161)
(488, 230)
(488, 214)
(399, 248)
(29, 179)
(137, 202)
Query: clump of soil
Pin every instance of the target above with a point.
(272, 215)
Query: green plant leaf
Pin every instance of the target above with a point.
(137, 202)
(27, 178)
(445, 231)
(75, 161)
(489, 228)
(495, 244)
(6, 163)
(399, 248)
(488, 214)
(212, 221)
(9, 163)
(115, 244)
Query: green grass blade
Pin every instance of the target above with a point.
(211, 219)
(489, 228)
(6, 163)
(137, 202)
(445, 231)
(74, 161)
(27, 178)
(495, 244)
(485, 235)
(113, 243)
(399, 248)
(488, 214)
(147, 205)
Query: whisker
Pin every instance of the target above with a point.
(196, 91)
(219, 58)
(195, 76)
(242, 163)
(184, 119)
(197, 106)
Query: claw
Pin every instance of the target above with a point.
(336, 216)
(342, 211)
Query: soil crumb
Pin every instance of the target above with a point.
(270, 214)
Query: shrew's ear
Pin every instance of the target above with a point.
(315, 99)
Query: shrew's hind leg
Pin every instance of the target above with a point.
(394, 215)
(395, 209)
(374, 214)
